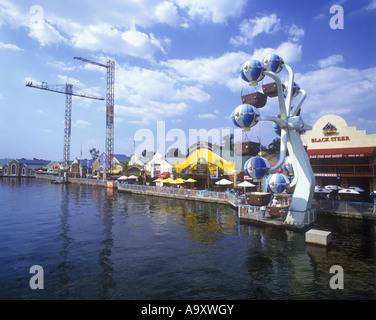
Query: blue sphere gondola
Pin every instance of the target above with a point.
(277, 183)
(252, 72)
(288, 165)
(244, 116)
(273, 62)
(256, 167)
(276, 129)
(295, 89)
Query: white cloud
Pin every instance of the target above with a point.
(109, 39)
(46, 34)
(9, 46)
(81, 123)
(253, 27)
(296, 33)
(331, 60)
(206, 116)
(208, 71)
(213, 115)
(119, 28)
(166, 12)
(371, 5)
(151, 111)
(337, 90)
(289, 51)
(65, 79)
(11, 14)
(215, 11)
(138, 85)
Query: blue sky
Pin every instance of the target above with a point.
(177, 61)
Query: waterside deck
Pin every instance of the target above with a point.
(187, 194)
(360, 210)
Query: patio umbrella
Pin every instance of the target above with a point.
(123, 178)
(245, 184)
(190, 180)
(333, 187)
(223, 182)
(168, 180)
(179, 181)
(348, 191)
(322, 190)
(132, 177)
(357, 189)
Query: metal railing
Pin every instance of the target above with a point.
(205, 195)
(346, 169)
(344, 207)
(347, 208)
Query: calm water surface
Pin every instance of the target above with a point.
(95, 243)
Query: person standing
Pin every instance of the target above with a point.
(263, 209)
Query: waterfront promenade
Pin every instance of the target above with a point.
(349, 209)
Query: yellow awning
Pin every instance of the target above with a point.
(114, 171)
(206, 156)
(179, 181)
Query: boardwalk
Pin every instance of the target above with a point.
(188, 194)
(341, 208)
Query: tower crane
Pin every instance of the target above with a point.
(66, 89)
(110, 101)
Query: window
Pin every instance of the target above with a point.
(13, 170)
(23, 171)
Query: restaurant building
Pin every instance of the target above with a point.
(341, 155)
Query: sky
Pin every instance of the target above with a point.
(177, 68)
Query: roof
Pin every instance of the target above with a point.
(4, 161)
(29, 162)
(117, 156)
(121, 157)
(86, 162)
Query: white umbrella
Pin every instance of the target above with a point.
(245, 184)
(357, 189)
(132, 177)
(223, 182)
(333, 187)
(322, 190)
(348, 191)
(123, 178)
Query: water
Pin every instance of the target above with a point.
(95, 243)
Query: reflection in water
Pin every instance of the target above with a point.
(106, 276)
(63, 269)
(97, 243)
(204, 222)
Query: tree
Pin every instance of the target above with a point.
(124, 165)
(273, 147)
(94, 153)
(228, 142)
(173, 153)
